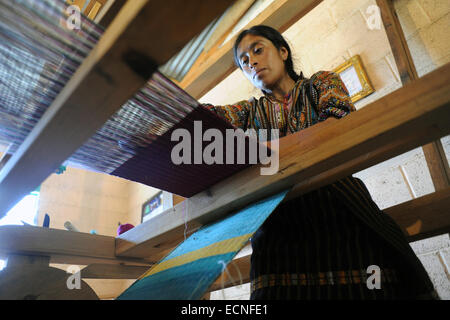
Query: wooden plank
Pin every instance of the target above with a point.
(397, 40)
(110, 271)
(423, 217)
(420, 218)
(110, 12)
(232, 16)
(177, 199)
(413, 115)
(216, 65)
(437, 164)
(139, 39)
(360, 162)
(434, 155)
(93, 8)
(79, 3)
(61, 246)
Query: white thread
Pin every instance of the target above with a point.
(221, 278)
(239, 273)
(225, 269)
(185, 218)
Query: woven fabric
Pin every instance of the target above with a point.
(190, 269)
(153, 165)
(331, 278)
(320, 245)
(148, 116)
(39, 55)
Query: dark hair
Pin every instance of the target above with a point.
(278, 41)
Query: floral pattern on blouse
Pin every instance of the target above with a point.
(310, 101)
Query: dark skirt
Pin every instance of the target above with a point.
(316, 247)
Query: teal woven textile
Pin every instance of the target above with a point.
(190, 269)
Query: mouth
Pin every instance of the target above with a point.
(258, 72)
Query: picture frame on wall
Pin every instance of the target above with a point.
(157, 204)
(152, 207)
(355, 78)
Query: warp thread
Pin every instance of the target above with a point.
(225, 270)
(39, 55)
(185, 215)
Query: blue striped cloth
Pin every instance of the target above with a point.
(190, 269)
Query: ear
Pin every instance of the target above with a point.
(284, 53)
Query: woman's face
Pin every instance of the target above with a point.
(261, 62)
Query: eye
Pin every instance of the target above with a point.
(244, 61)
(258, 50)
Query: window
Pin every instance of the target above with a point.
(24, 212)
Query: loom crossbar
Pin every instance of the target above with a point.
(62, 246)
(419, 218)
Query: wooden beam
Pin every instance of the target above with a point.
(109, 12)
(66, 247)
(177, 199)
(420, 218)
(423, 217)
(94, 7)
(437, 164)
(139, 39)
(216, 65)
(227, 22)
(409, 117)
(79, 3)
(111, 271)
(397, 40)
(434, 155)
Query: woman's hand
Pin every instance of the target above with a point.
(331, 119)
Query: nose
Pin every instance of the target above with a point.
(253, 62)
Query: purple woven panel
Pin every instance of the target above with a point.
(153, 166)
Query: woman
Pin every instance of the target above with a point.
(319, 245)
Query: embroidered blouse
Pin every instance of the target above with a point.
(309, 102)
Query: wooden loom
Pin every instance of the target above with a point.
(412, 116)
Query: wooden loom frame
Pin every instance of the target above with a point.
(414, 115)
